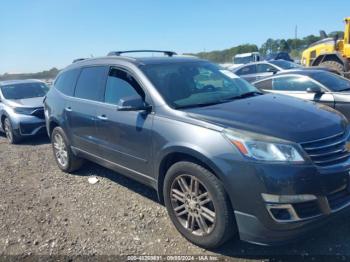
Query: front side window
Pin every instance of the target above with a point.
(247, 70)
(194, 84)
(91, 83)
(121, 84)
(24, 90)
(293, 83)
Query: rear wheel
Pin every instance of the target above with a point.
(65, 158)
(198, 205)
(11, 136)
(334, 65)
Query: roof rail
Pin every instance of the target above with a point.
(78, 60)
(118, 53)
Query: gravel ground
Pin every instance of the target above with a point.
(44, 211)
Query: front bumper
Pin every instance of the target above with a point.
(27, 125)
(257, 224)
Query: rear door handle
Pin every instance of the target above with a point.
(103, 117)
(68, 108)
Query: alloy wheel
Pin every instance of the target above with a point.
(60, 150)
(193, 205)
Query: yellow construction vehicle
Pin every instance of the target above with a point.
(330, 52)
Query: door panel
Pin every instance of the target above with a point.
(82, 124)
(125, 137)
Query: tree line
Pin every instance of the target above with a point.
(293, 46)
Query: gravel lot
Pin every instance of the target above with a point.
(46, 212)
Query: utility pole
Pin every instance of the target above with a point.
(295, 36)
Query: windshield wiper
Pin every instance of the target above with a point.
(244, 95)
(199, 105)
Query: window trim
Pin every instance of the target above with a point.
(239, 69)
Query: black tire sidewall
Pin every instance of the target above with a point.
(15, 139)
(59, 130)
(218, 195)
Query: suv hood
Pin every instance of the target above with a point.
(275, 115)
(28, 102)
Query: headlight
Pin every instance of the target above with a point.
(23, 110)
(263, 148)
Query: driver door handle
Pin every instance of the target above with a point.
(103, 117)
(68, 108)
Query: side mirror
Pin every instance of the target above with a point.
(133, 103)
(314, 89)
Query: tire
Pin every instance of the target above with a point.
(11, 135)
(336, 66)
(220, 227)
(65, 158)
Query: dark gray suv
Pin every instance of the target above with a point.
(226, 159)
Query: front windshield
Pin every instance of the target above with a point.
(243, 60)
(24, 90)
(332, 81)
(285, 64)
(196, 83)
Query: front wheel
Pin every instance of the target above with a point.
(65, 158)
(11, 136)
(198, 205)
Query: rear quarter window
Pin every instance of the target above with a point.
(66, 81)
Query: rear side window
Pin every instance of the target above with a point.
(247, 70)
(65, 82)
(91, 83)
(264, 85)
(264, 68)
(121, 84)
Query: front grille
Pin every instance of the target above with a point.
(328, 151)
(339, 199)
(39, 112)
(307, 209)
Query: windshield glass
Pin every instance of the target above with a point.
(285, 64)
(332, 81)
(25, 90)
(243, 60)
(195, 83)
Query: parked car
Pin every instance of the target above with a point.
(315, 85)
(22, 109)
(226, 159)
(279, 56)
(255, 71)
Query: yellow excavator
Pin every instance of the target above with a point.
(331, 53)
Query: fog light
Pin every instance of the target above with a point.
(287, 198)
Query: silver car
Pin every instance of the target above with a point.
(258, 70)
(21, 108)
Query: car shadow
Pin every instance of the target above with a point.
(329, 243)
(90, 168)
(35, 140)
(31, 141)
